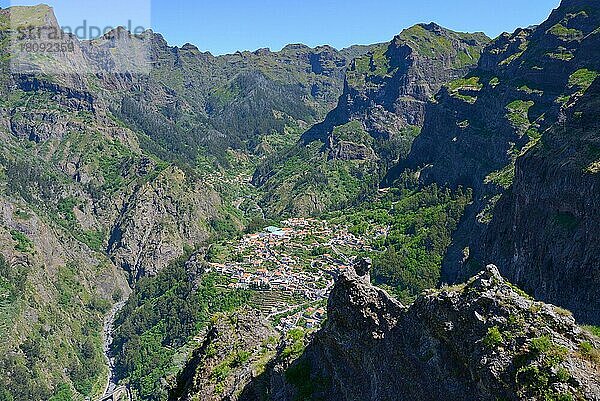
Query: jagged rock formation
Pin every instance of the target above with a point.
(484, 340)
(544, 232)
(234, 350)
(374, 123)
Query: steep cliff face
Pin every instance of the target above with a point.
(482, 123)
(544, 232)
(374, 123)
(387, 89)
(159, 221)
(483, 340)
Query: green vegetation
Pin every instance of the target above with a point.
(540, 367)
(520, 291)
(294, 344)
(595, 330)
(563, 99)
(518, 113)
(22, 214)
(352, 132)
(589, 352)
(458, 87)
(24, 244)
(37, 370)
(375, 64)
(306, 182)
(487, 214)
(13, 280)
(565, 33)
(465, 83)
(493, 338)
(522, 48)
(582, 78)
(223, 370)
(418, 225)
(503, 177)
(593, 168)
(561, 54)
(429, 44)
(63, 393)
(162, 315)
(29, 16)
(530, 91)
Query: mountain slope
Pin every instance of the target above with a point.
(104, 181)
(481, 124)
(373, 125)
(557, 183)
(231, 101)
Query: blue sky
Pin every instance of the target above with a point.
(224, 26)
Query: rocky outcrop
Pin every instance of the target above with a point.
(159, 221)
(232, 352)
(483, 340)
(544, 232)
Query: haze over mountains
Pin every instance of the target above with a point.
(442, 151)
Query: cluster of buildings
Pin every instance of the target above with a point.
(299, 259)
(309, 318)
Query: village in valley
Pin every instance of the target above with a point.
(290, 269)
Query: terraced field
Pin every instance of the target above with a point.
(265, 301)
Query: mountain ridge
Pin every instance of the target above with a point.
(377, 117)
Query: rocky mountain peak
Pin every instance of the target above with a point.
(296, 47)
(483, 340)
(32, 16)
(355, 306)
(433, 27)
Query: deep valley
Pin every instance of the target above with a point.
(408, 220)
